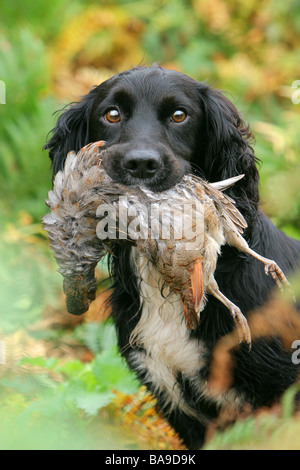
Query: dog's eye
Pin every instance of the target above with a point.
(178, 116)
(113, 116)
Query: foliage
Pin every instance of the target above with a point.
(88, 386)
(277, 426)
(28, 278)
(20, 15)
(25, 121)
(71, 392)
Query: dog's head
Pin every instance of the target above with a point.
(159, 124)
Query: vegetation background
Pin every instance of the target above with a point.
(63, 384)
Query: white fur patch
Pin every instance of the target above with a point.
(169, 350)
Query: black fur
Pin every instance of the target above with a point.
(213, 142)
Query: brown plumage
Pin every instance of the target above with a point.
(185, 258)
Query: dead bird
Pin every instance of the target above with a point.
(78, 190)
(186, 263)
(71, 227)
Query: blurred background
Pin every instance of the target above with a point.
(51, 53)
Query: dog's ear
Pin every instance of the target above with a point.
(71, 131)
(227, 146)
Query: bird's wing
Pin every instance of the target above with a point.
(224, 204)
(233, 213)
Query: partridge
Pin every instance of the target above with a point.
(180, 231)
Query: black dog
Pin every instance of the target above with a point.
(158, 125)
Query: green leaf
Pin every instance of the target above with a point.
(91, 403)
(110, 371)
(47, 362)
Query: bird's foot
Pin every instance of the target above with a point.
(277, 274)
(242, 326)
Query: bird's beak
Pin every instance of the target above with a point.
(80, 292)
(197, 284)
(99, 143)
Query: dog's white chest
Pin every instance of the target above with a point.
(161, 331)
(167, 348)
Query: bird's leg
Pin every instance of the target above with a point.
(272, 268)
(239, 319)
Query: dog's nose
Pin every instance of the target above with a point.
(142, 163)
